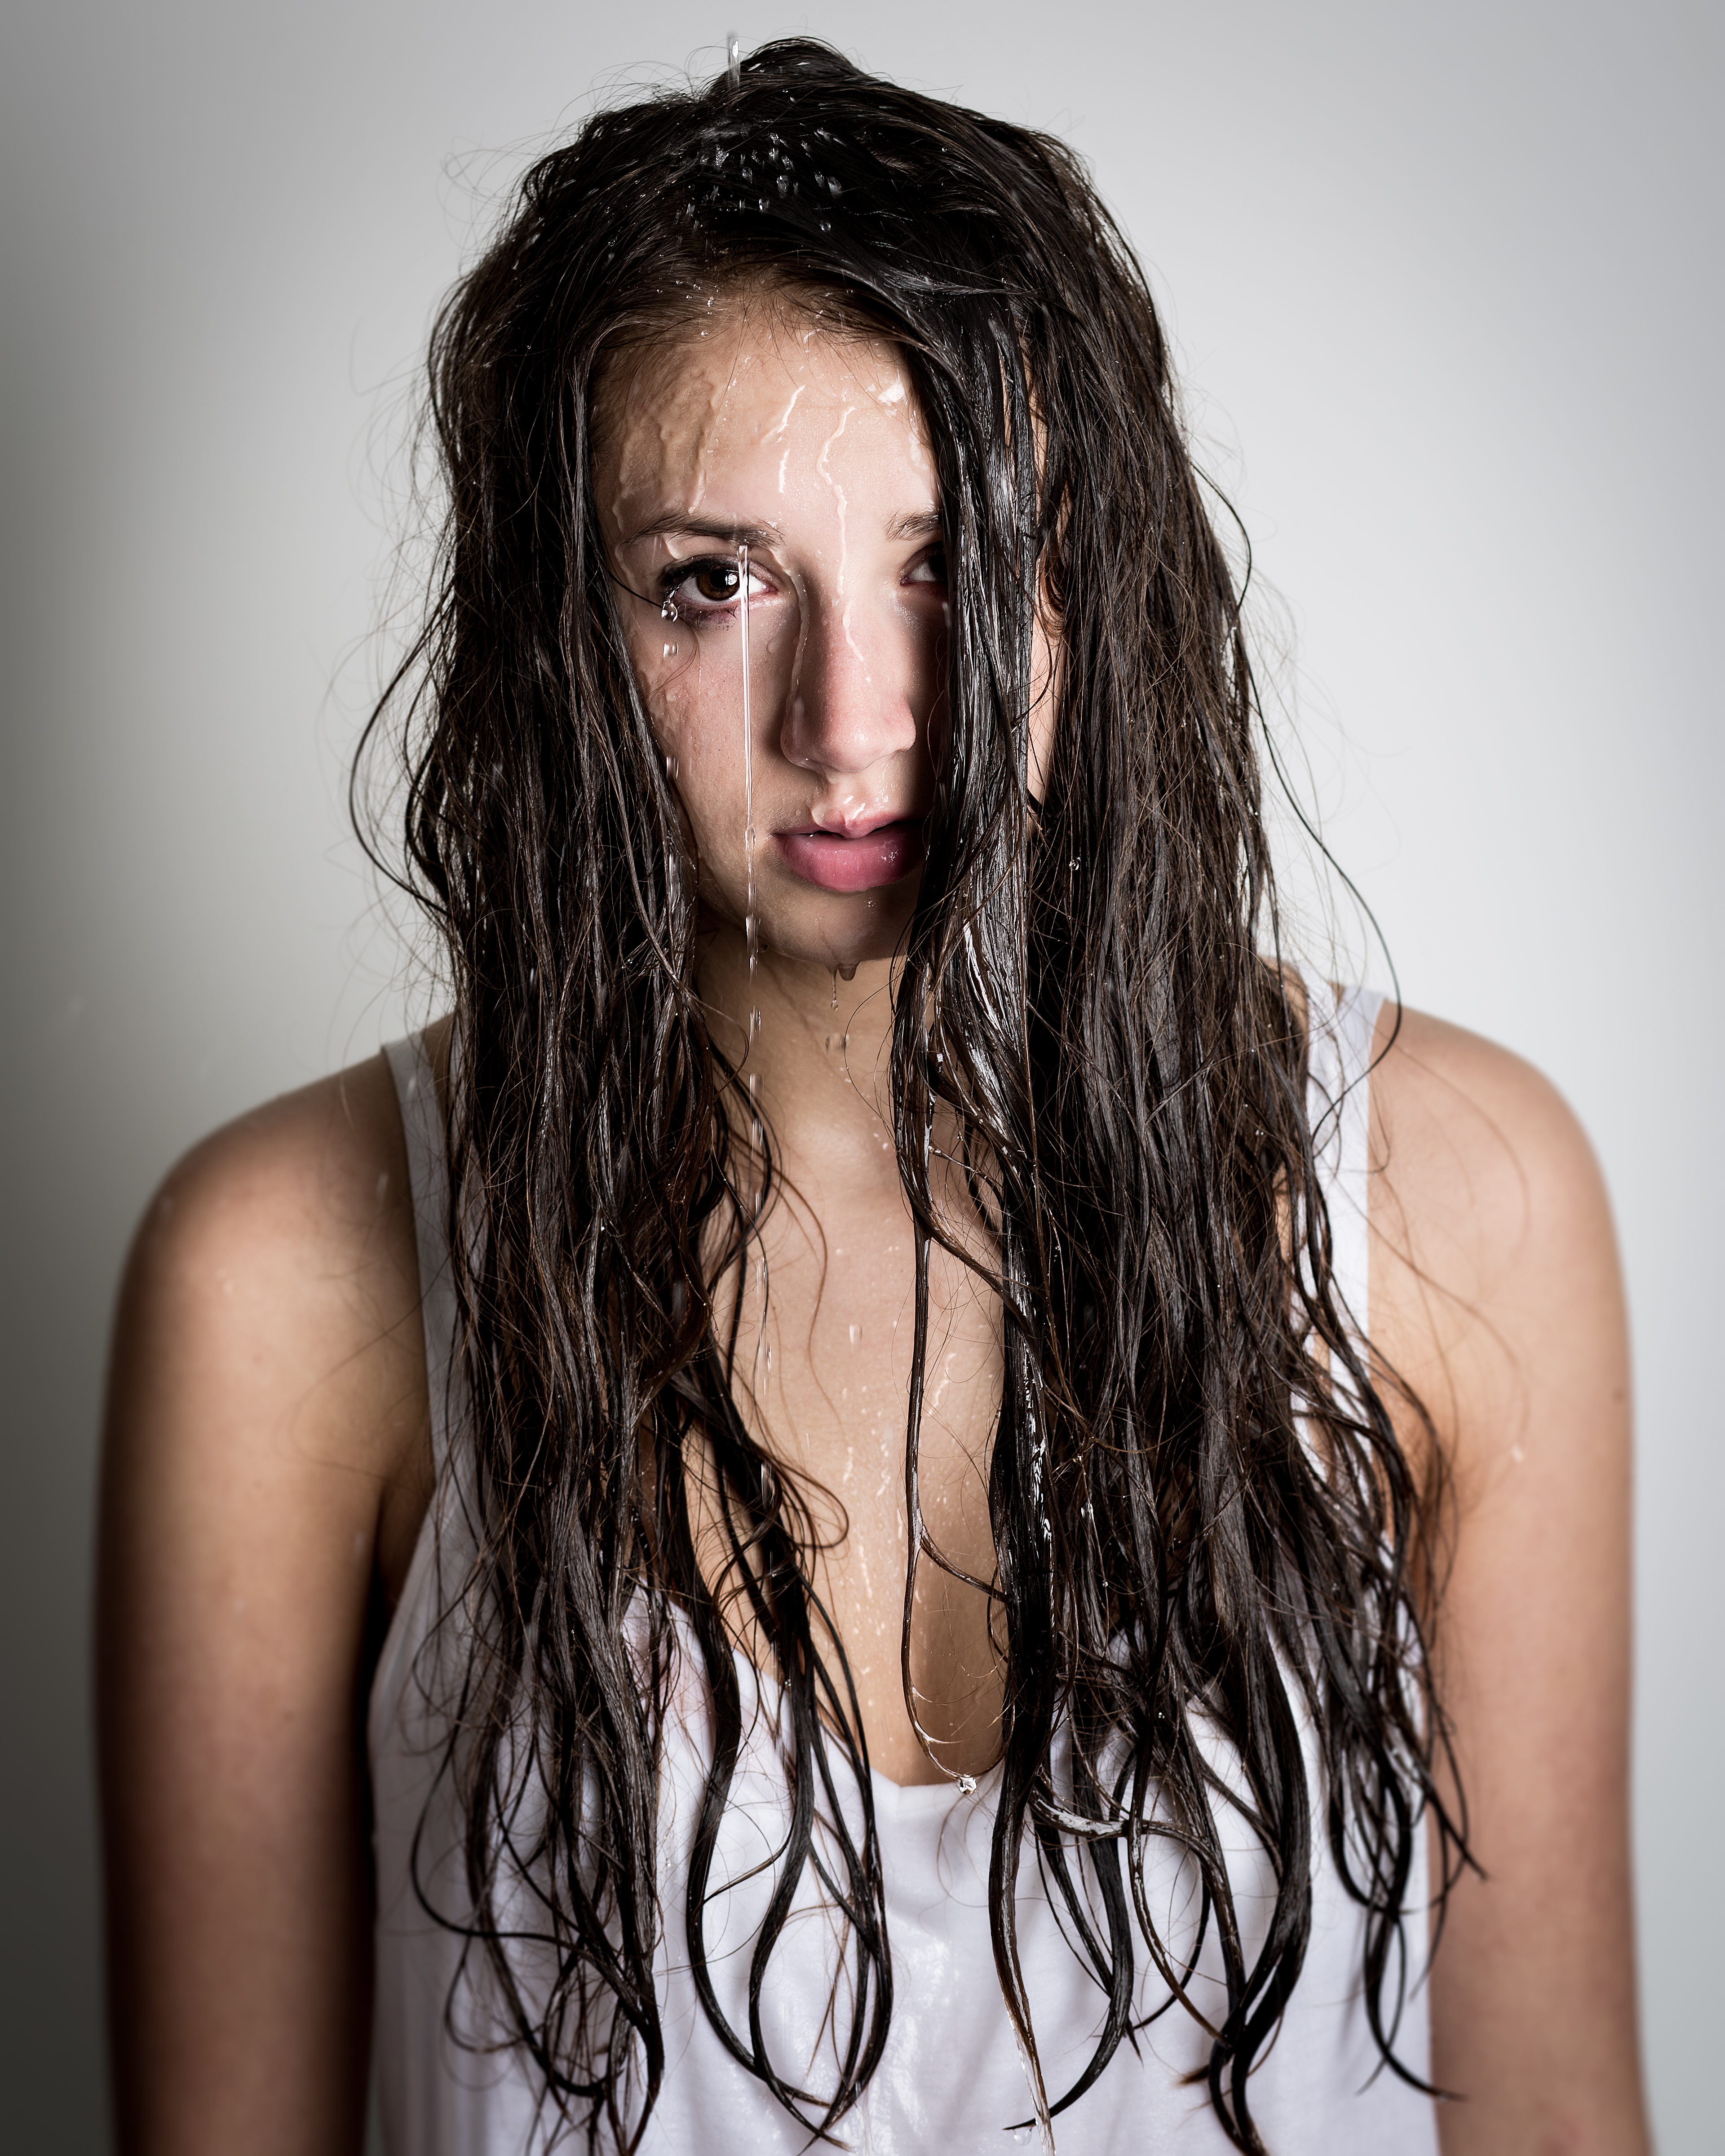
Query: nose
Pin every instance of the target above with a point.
(856, 694)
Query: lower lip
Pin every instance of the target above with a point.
(830, 863)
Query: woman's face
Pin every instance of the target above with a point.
(761, 429)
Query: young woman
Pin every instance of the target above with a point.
(901, 1486)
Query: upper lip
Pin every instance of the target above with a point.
(860, 827)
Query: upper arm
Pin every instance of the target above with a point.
(265, 1424)
(1496, 1299)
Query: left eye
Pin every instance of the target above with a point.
(932, 569)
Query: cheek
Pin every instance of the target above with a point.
(701, 744)
(667, 665)
(690, 684)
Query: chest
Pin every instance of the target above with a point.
(826, 1333)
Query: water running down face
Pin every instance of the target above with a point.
(759, 429)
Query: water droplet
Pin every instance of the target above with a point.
(966, 1785)
(847, 972)
(835, 987)
(670, 651)
(767, 1355)
(855, 1334)
(668, 612)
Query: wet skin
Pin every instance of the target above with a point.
(763, 431)
(758, 428)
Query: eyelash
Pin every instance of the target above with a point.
(676, 574)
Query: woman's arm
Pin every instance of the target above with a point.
(1496, 1295)
(266, 1455)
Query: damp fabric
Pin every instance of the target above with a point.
(951, 2080)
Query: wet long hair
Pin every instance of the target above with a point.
(1204, 1528)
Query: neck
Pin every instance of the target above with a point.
(819, 1057)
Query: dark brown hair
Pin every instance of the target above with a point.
(1176, 1549)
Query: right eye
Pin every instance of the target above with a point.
(715, 582)
(709, 587)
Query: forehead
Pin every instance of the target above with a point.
(748, 382)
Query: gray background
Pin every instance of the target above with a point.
(1445, 281)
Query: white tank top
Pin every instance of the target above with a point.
(951, 2081)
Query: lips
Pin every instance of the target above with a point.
(834, 862)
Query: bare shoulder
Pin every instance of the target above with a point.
(1495, 1302)
(1448, 1104)
(1494, 1258)
(269, 1312)
(266, 1462)
(301, 1186)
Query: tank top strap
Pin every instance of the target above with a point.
(422, 1126)
(1338, 1106)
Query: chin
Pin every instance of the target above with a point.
(837, 955)
(870, 940)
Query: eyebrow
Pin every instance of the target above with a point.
(704, 527)
(912, 524)
(916, 524)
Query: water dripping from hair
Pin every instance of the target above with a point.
(751, 930)
(750, 923)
